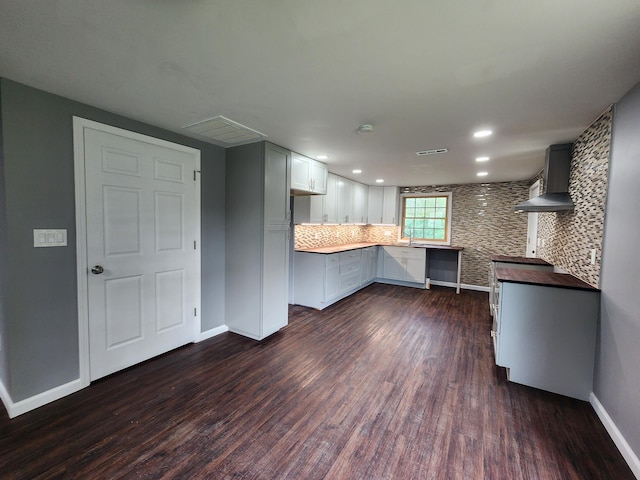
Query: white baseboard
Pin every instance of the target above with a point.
(477, 288)
(625, 449)
(464, 286)
(212, 333)
(31, 403)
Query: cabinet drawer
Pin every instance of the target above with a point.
(350, 256)
(349, 281)
(333, 260)
(406, 252)
(349, 267)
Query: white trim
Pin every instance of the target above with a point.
(449, 196)
(625, 449)
(464, 286)
(212, 333)
(31, 403)
(79, 124)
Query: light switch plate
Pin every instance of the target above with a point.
(49, 238)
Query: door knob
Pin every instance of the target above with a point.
(97, 269)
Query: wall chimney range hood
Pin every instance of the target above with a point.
(556, 183)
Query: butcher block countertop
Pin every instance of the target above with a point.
(353, 246)
(522, 260)
(538, 277)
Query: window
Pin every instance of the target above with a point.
(427, 217)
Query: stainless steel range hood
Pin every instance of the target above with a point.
(556, 182)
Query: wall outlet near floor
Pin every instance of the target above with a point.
(593, 256)
(316, 236)
(387, 233)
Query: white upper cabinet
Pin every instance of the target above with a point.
(390, 206)
(360, 202)
(383, 205)
(345, 200)
(307, 176)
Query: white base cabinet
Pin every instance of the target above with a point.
(322, 279)
(546, 337)
(403, 266)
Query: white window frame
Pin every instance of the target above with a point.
(449, 195)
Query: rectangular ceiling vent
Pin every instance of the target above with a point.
(435, 151)
(226, 131)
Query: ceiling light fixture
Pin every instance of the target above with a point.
(379, 180)
(357, 170)
(322, 157)
(482, 159)
(482, 133)
(365, 128)
(482, 174)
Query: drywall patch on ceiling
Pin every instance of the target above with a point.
(223, 130)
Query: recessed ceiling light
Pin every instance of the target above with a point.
(379, 180)
(322, 157)
(482, 174)
(482, 133)
(482, 159)
(356, 171)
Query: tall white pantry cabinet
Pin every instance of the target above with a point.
(257, 221)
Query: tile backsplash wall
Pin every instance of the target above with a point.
(569, 237)
(483, 222)
(313, 236)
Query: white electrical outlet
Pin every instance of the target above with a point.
(593, 256)
(387, 233)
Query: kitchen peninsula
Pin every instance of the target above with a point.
(325, 275)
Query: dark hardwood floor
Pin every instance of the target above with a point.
(391, 383)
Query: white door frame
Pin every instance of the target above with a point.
(79, 124)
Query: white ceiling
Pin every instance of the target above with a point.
(425, 73)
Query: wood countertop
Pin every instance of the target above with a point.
(522, 260)
(353, 246)
(539, 277)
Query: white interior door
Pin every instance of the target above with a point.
(142, 222)
(532, 225)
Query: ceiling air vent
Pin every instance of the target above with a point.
(226, 131)
(435, 151)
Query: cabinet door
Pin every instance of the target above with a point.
(332, 279)
(316, 211)
(390, 206)
(345, 200)
(318, 175)
(276, 185)
(393, 267)
(374, 205)
(414, 269)
(275, 280)
(330, 200)
(360, 200)
(300, 173)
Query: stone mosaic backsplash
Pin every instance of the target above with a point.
(314, 236)
(483, 222)
(570, 236)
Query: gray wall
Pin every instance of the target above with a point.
(617, 376)
(4, 255)
(40, 303)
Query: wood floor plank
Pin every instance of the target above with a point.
(390, 383)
